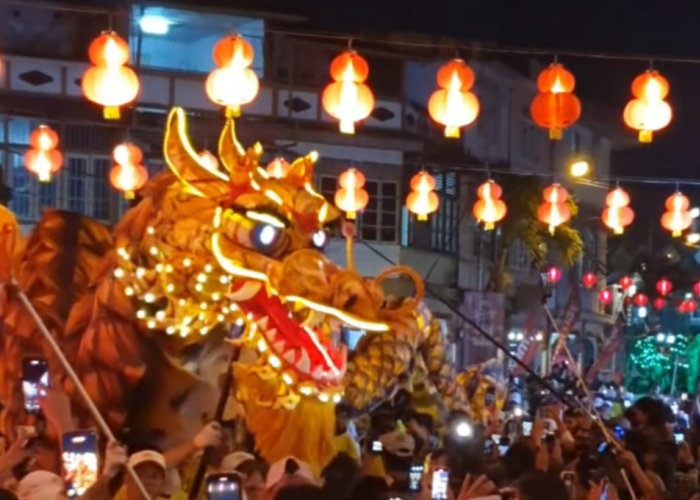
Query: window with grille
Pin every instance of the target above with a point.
(379, 221)
(518, 257)
(445, 222)
(20, 182)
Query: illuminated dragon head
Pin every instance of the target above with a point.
(238, 247)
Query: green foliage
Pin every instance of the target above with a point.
(523, 197)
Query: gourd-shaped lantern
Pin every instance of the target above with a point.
(664, 287)
(348, 99)
(490, 208)
(589, 280)
(554, 211)
(42, 159)
(422, 200)
(350, 197)
(618, 214)
(128, 174)
(209, 160)
(641, 300)
(555, 107)
(659, 303)
(453, 105)
(278, 168)
(109, 82)
(677, 217)
(626, 282)
(233, 83)
(648, 111)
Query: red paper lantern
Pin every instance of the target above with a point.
(696, 288)
(109, 82)
(422, 200)
(128, 175)
(649, 111)
(453, 105)
(664, 287)
(641, 300)
(350, 197)
(677, 216)
(589, 280)
(606, 296)
(348, 99)
(554, 210)
(618, 214)
(690, 306)
(626, 282)
(553, 275)
(659, 303)
(489, 209)
(42, 158)
(233, 83)
(555, 107)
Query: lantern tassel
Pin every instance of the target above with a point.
(233, 111)
(551, 230)
(351, 215)
(347, 127)
(555, 134)
(676, 233)
(129, 195)
(111, 113)
(44, 176)
(452, 132)
(618, 230)
(645, 136)
(489, 226)
(422, 217)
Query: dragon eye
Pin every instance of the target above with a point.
(265, 235)
(320, 238)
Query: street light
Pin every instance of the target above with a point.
(695, 212)
(579, 168)
(693, 238)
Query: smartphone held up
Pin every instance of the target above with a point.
(80, 461)
(224, 486)
(35, 376)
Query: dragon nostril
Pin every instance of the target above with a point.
(350, 303)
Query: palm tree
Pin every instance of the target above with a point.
(523, 197)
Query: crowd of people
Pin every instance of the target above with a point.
(400, 453)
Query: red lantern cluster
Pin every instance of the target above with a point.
(42, 159)
(233, 83)
(110, 82)
(128, 174)
(589, 280)
(618, 214)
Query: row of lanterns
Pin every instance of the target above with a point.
(111, 84)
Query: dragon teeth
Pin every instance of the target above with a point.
(262, 323)
(304, 363)
(278, 346)
(318, 373)
(289, 356)
(271, 334)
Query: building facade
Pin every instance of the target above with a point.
(45, 58)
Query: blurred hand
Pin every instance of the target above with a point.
(476, 487)
(595, 492)
(16, 454)
(56, 408)
(115, 459)
(210, 436)
(627, 459)
(685, 455)
(538, 430)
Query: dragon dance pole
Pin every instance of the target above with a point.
(74, 377)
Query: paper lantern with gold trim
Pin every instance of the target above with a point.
(43, 159)
(128, 175)
(648, 111)
(109, 82)
(454, 105)
(422, 200)
(348, 99)
(555, 107)
(233, 83)
(489, 209)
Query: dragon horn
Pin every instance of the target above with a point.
(239, 162)
(198, 178)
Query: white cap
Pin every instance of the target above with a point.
(142, 457)
(40, 485)
(233, 460)
(278, 471)
(398, 443)
(173, 482)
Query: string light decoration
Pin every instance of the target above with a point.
(453, 105)
(648, 111)
(555, 107)
(655, 355)
(110, 82)
(617, 215)
(677, 217)
(664, 287)
(348, 99)
(422, 200)
(489, 209)
(554, 210)
(233, 83)
(42, 158)
(128, 175)
(350, 196)
(589, 280)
